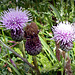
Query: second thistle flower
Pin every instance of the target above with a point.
(33, 45)
(64, 33)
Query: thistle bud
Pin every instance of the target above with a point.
(33, 45)
(17, 35)
(31, 30)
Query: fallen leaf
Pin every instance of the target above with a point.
(9, 69)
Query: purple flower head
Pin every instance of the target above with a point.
(33, 46)
(15, 18)
(63, 32)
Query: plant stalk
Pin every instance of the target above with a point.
(21, 46)
(17, 54)
(65, 63)
(58, 56)
(35, 64)
(67, 67)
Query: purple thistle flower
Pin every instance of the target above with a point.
(63, 32)
(15, 19)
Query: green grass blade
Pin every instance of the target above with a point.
(56, 12)
(47, 48)
(10, 66)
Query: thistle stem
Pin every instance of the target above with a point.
(57, 51)
(58, 56)
(21, 45)
(17, 54)
(67, 65)
(35, 64)
(64, 63)
(22, 48)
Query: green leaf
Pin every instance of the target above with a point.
(18, 51)
(47, 65)
(34, 12)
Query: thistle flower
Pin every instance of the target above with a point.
(64, 33)
(15, 19)
(33, 45)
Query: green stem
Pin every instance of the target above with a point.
(21, 46)
(32, 72)
(35, 64)
(25, 60)
(5, 43)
